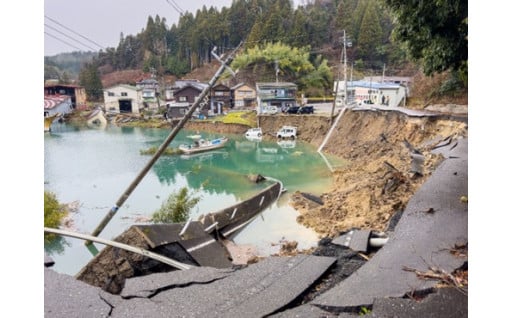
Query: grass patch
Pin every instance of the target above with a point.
(167, 151)
(240, 117)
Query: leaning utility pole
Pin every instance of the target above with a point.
(345, 68)
(343, 59)
(163, 146)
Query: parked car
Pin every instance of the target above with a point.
(292, 110)
(300, 110)
(269, 110)
(254, 133)
(287, 132)
(307, 109)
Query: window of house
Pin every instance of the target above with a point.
(111, 94)
(182, 98)
(124, 94)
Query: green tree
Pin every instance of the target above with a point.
(54, 212)
(51, 72)
(293, 62)
(370, 33)
(435, 33)
(176, 208)
(90, 79)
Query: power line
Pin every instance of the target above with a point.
(176, 7)
(69, 37)
(99, 45)
(53, 36)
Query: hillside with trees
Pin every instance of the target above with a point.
(384, 35)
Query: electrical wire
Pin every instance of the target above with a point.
(176, 7)
(69, 37)
(53, 36)
(76, 33)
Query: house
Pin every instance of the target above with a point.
(75, 92)
(279, 94)
(185, 97)
(176, 110)
(243, 96)
(178, 84)
(150, 92)
(123, 98)
(220, 98)
(57, 104)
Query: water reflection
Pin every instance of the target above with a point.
(55, 245)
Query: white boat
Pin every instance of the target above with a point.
(200, 144)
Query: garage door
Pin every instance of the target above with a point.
(125, 106)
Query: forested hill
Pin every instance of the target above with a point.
(66, 66)
(319, 25)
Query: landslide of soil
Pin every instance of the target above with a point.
(377, 182)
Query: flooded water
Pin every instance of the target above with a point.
(92, 168)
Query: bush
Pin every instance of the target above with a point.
(54, 212)
(176, 209)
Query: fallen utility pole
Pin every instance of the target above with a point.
(199, 102)
(126, 247)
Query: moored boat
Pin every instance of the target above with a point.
(200, 144)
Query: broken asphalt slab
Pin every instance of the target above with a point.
(433, 223)
(65, 296)
(252, 291)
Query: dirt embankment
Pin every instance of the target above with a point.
(377, 181)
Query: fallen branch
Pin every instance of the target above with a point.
(436, 273)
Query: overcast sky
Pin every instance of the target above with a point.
(102, 21)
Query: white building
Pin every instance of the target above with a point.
(123, 98)
(369, 92)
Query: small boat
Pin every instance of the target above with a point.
(48, 121)
(200, 144)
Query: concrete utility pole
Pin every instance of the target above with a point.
(345, 67)
(343, 59)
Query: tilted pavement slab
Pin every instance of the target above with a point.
(254, 291)
(434, 222)
(65, 296)
(445, 303)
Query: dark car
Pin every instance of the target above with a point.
(306, 110)
(292, 110)
(300, 110)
